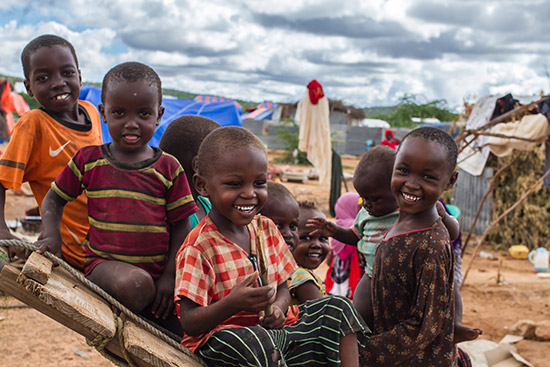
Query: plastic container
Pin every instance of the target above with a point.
(519, 251)
(540, 259)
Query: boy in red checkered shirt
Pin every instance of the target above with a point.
(222, 306)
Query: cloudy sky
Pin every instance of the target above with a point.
(364, 52)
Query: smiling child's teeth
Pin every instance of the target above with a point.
(61, 96)
(410, 197)
(247, 208)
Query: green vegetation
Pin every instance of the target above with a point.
(410, 107)
(165, 91)
(288, 135)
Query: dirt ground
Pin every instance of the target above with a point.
(28, 338)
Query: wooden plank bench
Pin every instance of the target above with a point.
(56, 293)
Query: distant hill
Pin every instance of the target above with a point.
(371, 112)
(165, 91)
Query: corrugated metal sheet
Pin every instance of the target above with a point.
(467, 195)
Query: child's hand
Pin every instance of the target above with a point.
(440, 210)
(274, 321)
(321, 226)
(50, 243)
(163, 304)
(246, 297)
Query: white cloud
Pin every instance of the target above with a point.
(364, 52)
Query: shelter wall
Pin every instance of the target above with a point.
(467, 194)
(346, 139)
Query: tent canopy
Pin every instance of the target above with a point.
(263, 111)
(224, 113)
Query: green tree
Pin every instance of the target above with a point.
(410, 107)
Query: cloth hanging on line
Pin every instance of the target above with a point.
(315, 134)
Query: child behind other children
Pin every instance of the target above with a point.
(139, 199)
(311, 251)
(45, 139)
(282, 208)
(379, 211)
(182, 138)
(372, 180)
(412, 283)
(222, 309)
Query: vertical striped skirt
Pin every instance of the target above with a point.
(314, 340)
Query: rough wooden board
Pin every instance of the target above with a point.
(9, 284)
(37, 268)
(70, 297)
(63, 295)
(145, 346)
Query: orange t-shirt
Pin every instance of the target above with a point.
(39, 149)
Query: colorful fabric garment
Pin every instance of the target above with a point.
(371, 230)
(315, 91)
(209, 266)
(343, 276)
(457, 251)
(344, 273)
(313, 340)
(39, 150)
(130, 206)
(412, 298)
(388, 140)
(205, 203)
(301, 276)
(463, 359)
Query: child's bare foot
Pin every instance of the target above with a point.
(465, 333)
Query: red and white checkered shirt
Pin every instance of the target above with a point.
(209, 266)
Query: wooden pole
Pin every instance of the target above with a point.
(495, 222)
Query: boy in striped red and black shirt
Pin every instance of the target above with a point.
(139, 200)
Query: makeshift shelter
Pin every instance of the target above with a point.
(263, 111)
(519, 209)
(225, 113)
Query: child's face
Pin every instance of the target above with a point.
(421, 174)
(132, 112)
(284, 213)
(378, 199)
(236, 185)
(311, 250)
(54, 80)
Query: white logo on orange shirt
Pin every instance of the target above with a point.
(54, 153)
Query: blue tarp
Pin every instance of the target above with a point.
(224, 113)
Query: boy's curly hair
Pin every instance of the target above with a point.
(440, 137)
(222, 141)
(307, 204)
(383, 156)
(183, 137)
(276, 192)
(46, 40)
(131, 72)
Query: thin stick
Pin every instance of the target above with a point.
(262, 260)
(499, 273)
(512, 113)
(485, 196)
(496, 135)
(495, 222)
